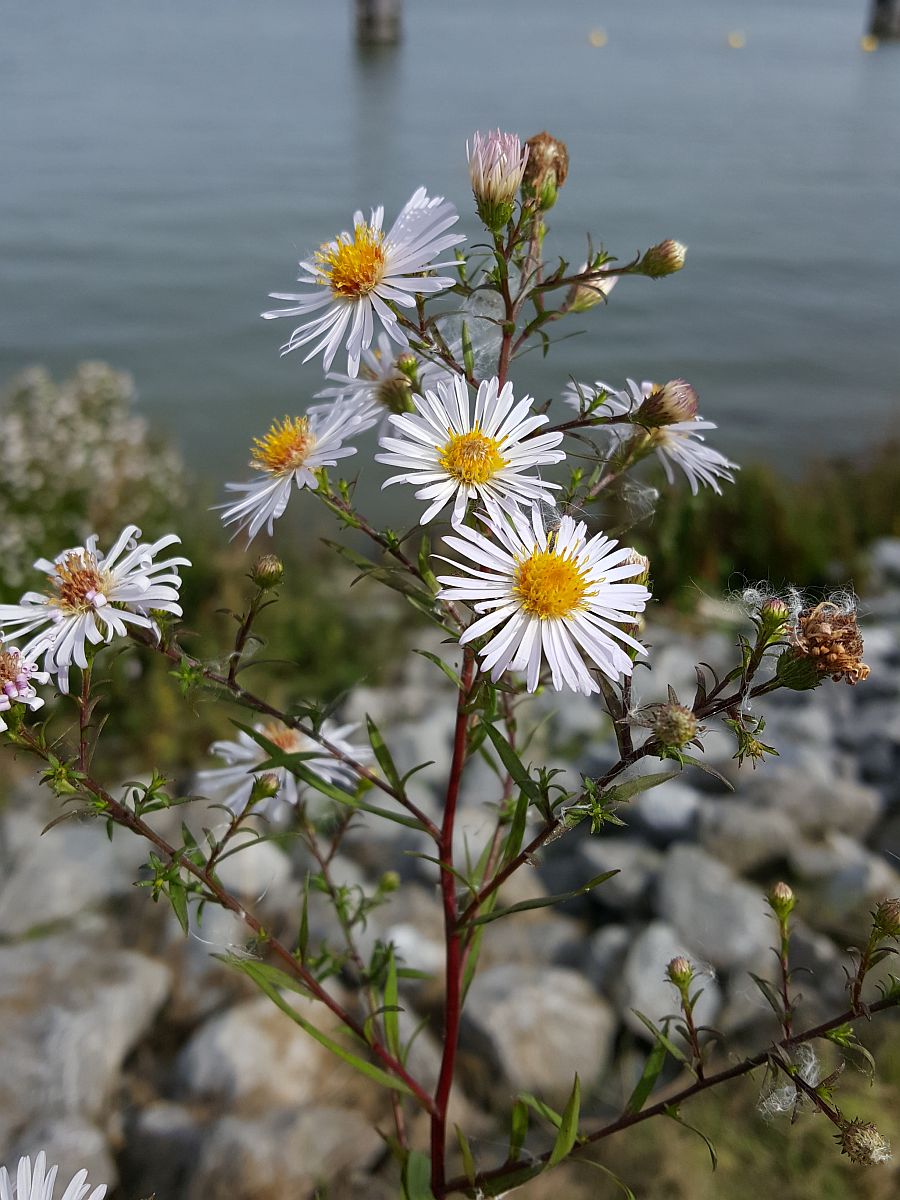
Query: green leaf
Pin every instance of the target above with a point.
(518, 772)
(633, 787)
(770, 994)
(516, 834)
(542, 1109)
(178, 899)
(663, 1039)
(416, 1177)
(466, 1152)
(518, 1129)
(263, 980)
(672, 1111)
(543, 901)
(645, 1085)
(303, 935)
(391, 1006)
(629, 1194)
(468, 352)
(568, 1127)
(385, 761)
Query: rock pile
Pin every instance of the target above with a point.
(132, 1051)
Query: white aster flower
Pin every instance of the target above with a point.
(554, 594)
(93, 597)
(289, 456)
(17, 679)
(359, 275)
(678, 443)
(381, 382)
(233, 783)
(37, 1183)
(496, 167)
(457, 456)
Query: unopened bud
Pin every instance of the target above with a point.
(408, 364)
(680, 972)
(887, 918)
(781, 900)
(674, 401)
(395, 393)
(267, 572)
(497, 163)
(674, 726)
(863, 1144)
(546, 169)
(590, 292)
(664, 259)
(389, 881)
(265, 787)
(641, 560)
(773, 613)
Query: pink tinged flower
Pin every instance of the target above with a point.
(547, 594)
(17, 679)
(496, 166)
(454, 454)
(367, 274)
(92, 598)
(287, 457)
(37, 1183)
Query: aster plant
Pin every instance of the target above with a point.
(529, 593)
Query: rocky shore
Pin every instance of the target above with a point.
(133, 1051)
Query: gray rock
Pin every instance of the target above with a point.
(71, 1144)
(284, 1153)
(720, 917)
(844, 881)
(744, 836)
(884, 559)
(643, 984)
(253, 1058)
(636, 863)
(533, 1028)
(163, 1143)
(606, 951)
(70, 868)
(813, 804)
(71, 1009)
(666, 813)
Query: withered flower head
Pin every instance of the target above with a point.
(674, 726)
(546, 168)
(828, 635)
(863, 1144)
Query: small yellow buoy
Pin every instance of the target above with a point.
(737, 40)
(597, 37)
(869, 42)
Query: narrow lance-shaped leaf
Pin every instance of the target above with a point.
(543, 901)
(383, 755)
(568, 1127)
(416, 1177)
(672, 1111)
(518, 772)
(651, 1072)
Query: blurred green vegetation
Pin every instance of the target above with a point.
(811, 532)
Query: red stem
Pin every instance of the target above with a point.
(452, 933)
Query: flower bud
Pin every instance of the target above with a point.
(680, 972)
(674, 401)
(546, 169)
(408, 365)
(265, 787)
(773, 615)
(664, 259)
(863, 1144)
(781, 900)
(643, 562)
(267, 572)
(590, 292)
(389, 881)
(887, 918)
(497, 163)
(674, 726)
(395, 393)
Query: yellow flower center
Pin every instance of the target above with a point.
(354, 265)
(472, 457)
(285, 447)
(291, 741)
(549, 585)
(79, 583)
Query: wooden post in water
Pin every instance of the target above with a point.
(885, 19)
(378, 22)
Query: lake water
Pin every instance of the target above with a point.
(162, 167)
